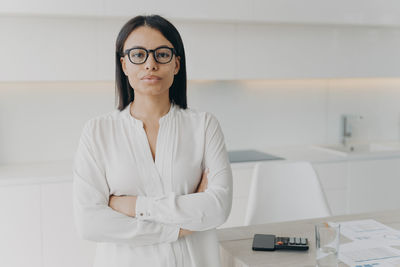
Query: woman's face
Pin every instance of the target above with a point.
(149, 78)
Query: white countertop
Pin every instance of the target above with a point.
(61, 171)
(35, 173)
(314, 154)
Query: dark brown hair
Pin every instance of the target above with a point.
(124, 92)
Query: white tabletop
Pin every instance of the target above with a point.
(235, 243)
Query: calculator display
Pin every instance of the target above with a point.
(264, 242)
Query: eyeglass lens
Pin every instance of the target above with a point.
(161, 55)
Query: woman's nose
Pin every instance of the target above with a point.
(151, 62)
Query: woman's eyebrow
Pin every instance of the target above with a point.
(138, 46)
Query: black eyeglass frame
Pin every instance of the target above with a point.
(127, 52)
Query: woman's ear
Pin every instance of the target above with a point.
(122, 60)
(177, 65)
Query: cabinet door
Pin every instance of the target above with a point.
(374, 185)
(238, 212)
(62, 247)
(241, 180)
(54, 7)
(20, 243)
(242, 175)
(333, 179)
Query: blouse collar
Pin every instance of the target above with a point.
(139, 123)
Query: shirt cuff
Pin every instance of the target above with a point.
(170, 233)
(144, 208)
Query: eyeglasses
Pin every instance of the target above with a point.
(139, 55)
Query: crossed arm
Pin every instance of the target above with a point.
(127, 204)
(148, 220)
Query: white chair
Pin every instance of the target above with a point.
(285, 191)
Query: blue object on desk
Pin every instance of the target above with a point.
(250, 155)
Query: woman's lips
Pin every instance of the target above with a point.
(151, 78)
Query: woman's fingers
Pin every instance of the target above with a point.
(123, 204)
(203, 182)
(184, 232)
(111, 201)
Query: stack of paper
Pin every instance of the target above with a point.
(371, 246)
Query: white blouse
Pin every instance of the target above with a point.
(114, 158)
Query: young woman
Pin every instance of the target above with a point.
(152, 179)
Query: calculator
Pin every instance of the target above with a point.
(263, 242)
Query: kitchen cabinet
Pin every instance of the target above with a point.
(271, 44)
(200, 10)
(20, 226)
(350, 186)
(37, 227)
(62, 247)
(333, 177)
(216, 61)
(238, 212)
(374, 185)
(242, 175)
(53, 7)
(356, 12)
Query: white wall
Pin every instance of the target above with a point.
(82, 49)
(42, 121)
(377, 100)
(259, 114)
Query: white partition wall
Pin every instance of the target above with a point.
(42, 121)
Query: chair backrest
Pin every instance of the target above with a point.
(285, 191)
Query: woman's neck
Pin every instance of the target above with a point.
(149, 108)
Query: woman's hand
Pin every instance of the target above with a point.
(203, 182)
(123, 204)
(184, 232)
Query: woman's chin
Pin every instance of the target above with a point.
(152, 91)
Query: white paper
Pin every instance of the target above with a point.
(370, 230)
(366, 253)
(394, 262)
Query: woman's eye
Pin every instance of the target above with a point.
(163, 55)
(138, 55)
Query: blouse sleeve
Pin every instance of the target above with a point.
(94, 219)
(197, 211)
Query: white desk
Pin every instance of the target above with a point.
(235, 243)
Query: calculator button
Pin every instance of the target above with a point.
(303, 241)
(297, 240)
(291, 240)
(280, 243)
